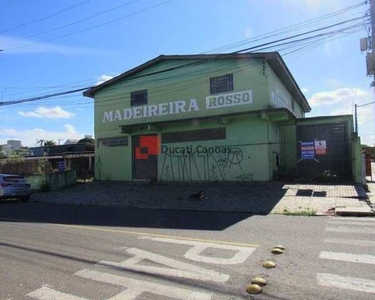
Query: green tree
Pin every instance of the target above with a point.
(2, 155)
(49, 143)
(87, 140)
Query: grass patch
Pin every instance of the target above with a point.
(307, 212)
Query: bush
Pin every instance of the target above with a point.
(45, 186)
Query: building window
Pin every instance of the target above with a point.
(138, 98)
(221, 84)
(113, 142)
(293, 104)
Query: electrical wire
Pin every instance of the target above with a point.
(90, 28)
(284, 30)
(190, 64)
(44, 18)
(74, 23)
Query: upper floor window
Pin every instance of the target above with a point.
(221, 84)
(293, 104)
(138, 98)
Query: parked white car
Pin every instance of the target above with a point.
(14, 186)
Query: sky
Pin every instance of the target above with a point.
(52, 46)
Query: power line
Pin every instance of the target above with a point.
(92, 27)
(309, 38)
(301, 34)
(85, 88)
(287, 29)
(44, 18)
(365, 104)
(42, 97)
(273, 33)
(198, 62)
(74, 23)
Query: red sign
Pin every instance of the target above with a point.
(148, 145)
(321, 151)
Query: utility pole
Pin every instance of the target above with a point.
(355, 118)
(368, 45)
(372, 41)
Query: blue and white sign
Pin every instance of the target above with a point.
(307, 150)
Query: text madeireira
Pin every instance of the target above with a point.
(144, 111)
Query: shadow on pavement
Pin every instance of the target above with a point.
(116, 216)
(142, 205)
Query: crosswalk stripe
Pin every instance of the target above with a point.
(351, 223)
(351, 242)
(346, 282)
(349, 257)
(360, 219)
(343, 229)
(47, 293)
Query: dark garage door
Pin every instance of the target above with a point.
(323, 148)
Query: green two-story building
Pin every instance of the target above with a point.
(197, 118)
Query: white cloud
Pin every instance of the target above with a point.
(70, 129)
(17, 45)
(29, 137)
(316, 5)
(340, 96)
(50, 113)
(304, 90)
(364, 115)
(341, 102)
(103, 78)
(248, 32)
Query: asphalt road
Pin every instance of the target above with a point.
(67, 252)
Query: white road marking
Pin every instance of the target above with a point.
(346, 282)
(351, 223)
(134, 287)
(349, 257)
(360, 219)
(194, 254)
(363, 243)
(344, 229)
(46, 293)
(176, 268)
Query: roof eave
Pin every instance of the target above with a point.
(91, 92)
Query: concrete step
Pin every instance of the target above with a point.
(355, 211)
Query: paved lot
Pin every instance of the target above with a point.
(257, 198)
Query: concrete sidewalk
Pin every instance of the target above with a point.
(371, 195)
(250, 197)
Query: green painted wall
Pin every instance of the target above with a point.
(254, 141)
(240, 157)
(55, 180)
(183, 84)
(274, 148)
(113, 163)
(280, 96)
(357, 160)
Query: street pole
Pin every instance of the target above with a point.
(355, 118)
